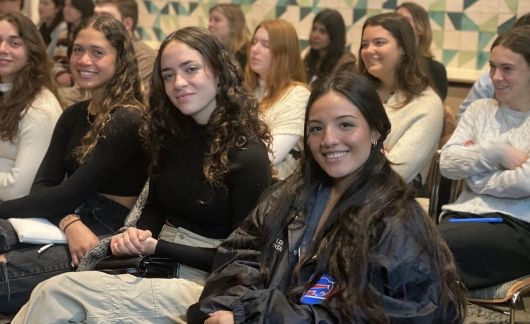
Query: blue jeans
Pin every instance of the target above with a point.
(25, 267)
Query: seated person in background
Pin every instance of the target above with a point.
(390, 59)
(276, 76)
(227, 21)
(209, 167)
(52, 24)
(327, 47)
(489, 151)
(419, 19)
(342, 240)
(93, 170)
(29, 104)
(483, 87)
(126, 11)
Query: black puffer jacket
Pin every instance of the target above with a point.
(402, 275)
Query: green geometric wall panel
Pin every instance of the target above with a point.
(480, 19)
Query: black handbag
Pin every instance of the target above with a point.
(140, 266)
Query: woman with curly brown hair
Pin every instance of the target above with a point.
(209, 166)
(30, 108)
(94, 168)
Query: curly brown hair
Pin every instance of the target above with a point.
(234, 120)
(122, 91)
(29, 81)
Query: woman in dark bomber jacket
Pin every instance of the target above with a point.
(343, 240)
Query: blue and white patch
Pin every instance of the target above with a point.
(321, 291)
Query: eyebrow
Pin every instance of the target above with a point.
(336, 118)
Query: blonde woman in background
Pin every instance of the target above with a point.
(276, 75)
(227, 21)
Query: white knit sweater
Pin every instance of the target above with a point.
(474, 153)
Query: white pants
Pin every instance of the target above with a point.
(96, 297)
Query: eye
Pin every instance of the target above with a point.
(346, 124)
(364, 45)
(313, 129)
(191, 69)
(98, 53)
(380, 42)
(167, 76)
(77, 49)
(17, 43)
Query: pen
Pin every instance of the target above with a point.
(476, 220)
(44, 248)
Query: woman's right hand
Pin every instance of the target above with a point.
(80, 240)
(513, 157)
(65, 79)
(133, 242)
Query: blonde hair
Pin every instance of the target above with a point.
(286, 67)
(239, 32)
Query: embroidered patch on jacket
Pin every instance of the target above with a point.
(278, 245)
(321, 291)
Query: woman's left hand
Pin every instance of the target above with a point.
(80, 240)
(133, 242)
(220, 317)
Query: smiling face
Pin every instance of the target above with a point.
(380, 52)
(93, 60)
(219, 25)
(510, 75)
(338, 136)
(13, 52)
(260, 53)
(189, 81)
(319, 38)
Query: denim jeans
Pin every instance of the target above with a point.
(25, 267)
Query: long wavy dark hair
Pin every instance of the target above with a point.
(29, 81)
(234, 120)
(122, 91)
(344, 244)
(411, 79)
(336, 29)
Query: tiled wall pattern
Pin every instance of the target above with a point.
(463, 29)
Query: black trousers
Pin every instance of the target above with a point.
(488, 254)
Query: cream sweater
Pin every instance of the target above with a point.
(20, 159)
(416, 130)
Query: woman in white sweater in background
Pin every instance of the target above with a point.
(276, 75)
(390, 59)
(30, 108)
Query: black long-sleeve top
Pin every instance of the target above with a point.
(116, 166)
(180, 195)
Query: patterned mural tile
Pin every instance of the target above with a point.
(358, 14)
(455, 5)
(361, 4)
(483, 58)
(437, 38)
(469, 3)
(485, 39)
(448, 56)
(508, 6)
(468, 41)
(467, 59)
(390, 4)
(505, 22)
(468, 23)
(437, 5)
(451, 40)
(193, 6)
(305, 11)
(456, 19)
(438, 17)
(489, 25)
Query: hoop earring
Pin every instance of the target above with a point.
(374, 143)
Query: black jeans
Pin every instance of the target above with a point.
(488, 254)
(25, 267)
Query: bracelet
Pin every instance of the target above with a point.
(67, 220)
(75, 220)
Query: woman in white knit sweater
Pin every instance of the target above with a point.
(390, 59)
(276, 75)
(29, 106)
(489, 152)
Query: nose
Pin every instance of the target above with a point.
(495, 74)
(254, 48)
(84, 59)
(330, 138)
(180, 82)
